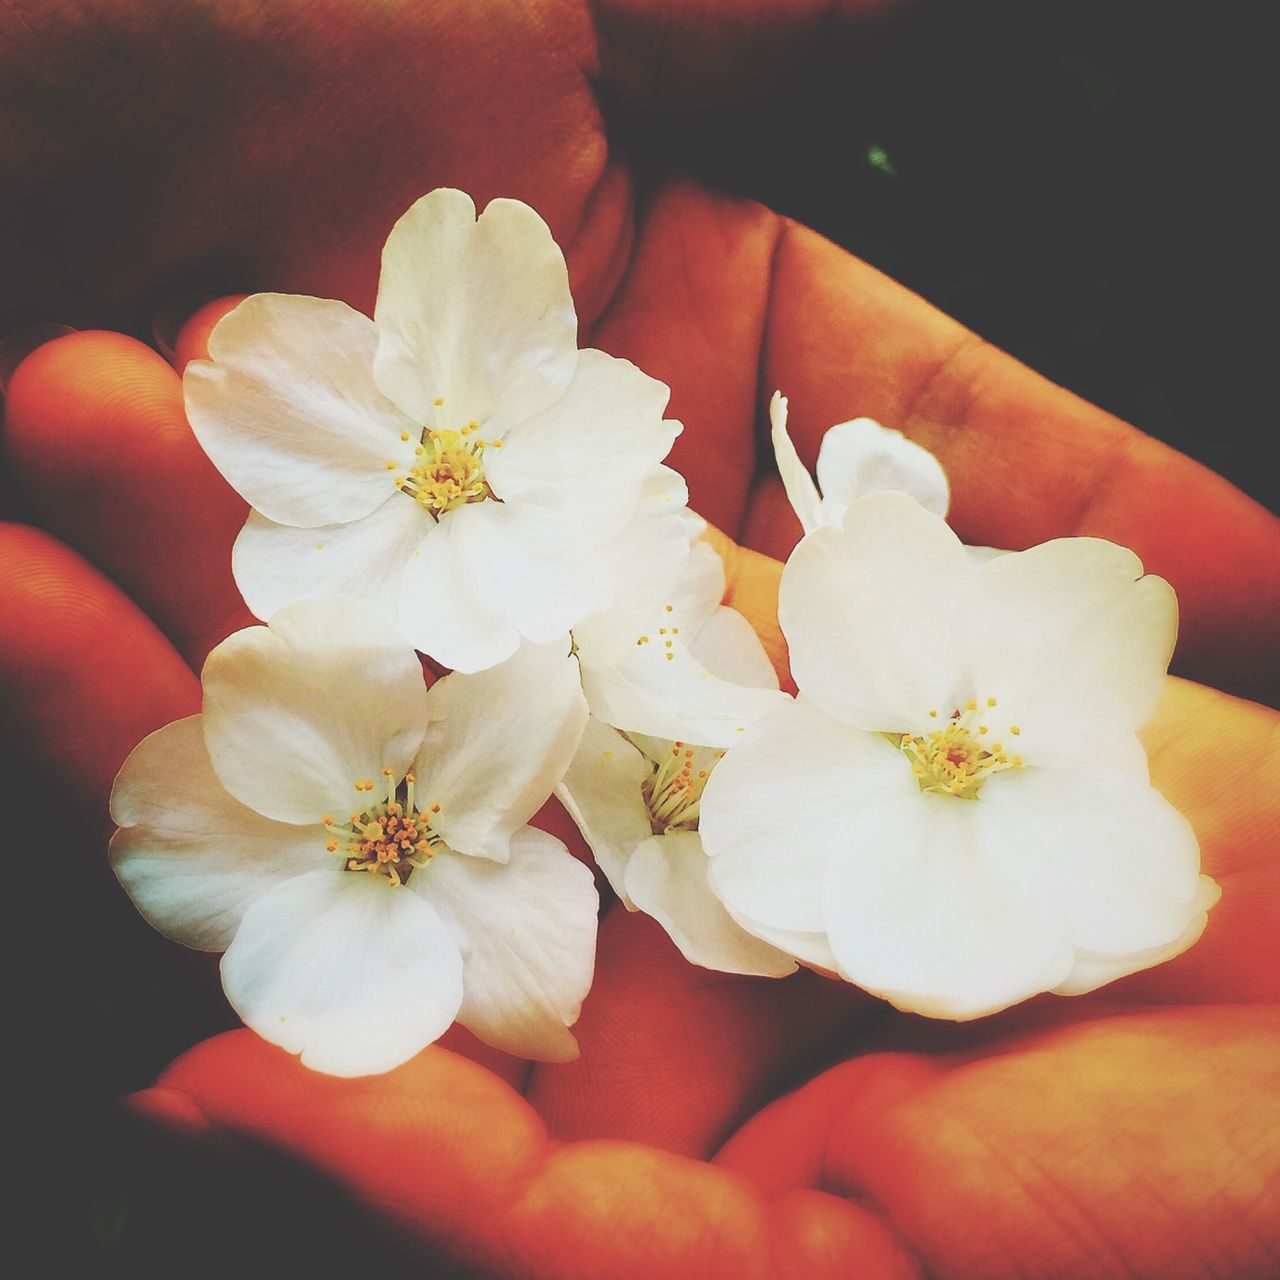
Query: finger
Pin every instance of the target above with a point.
(1236, 817)
(97, 438)
(1027, 460)
(192, 341)
(84, 676)
(442, 1147)
(674, 1055)
(1143, 1144)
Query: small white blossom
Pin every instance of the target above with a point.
(356, 843)
(668, 659)
(684, 690)
(955, 813)
(456, 462)
(855, 459)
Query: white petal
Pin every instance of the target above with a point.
(643, 562)
(1120, 862)
(476, 312)
(191, 857)
(861, 457)
(542, 580)
(496, 745)
(528, 935)
(810, 948)
(674, 697)
(934, 904)
(276, 564)
(297, 711)
(443, 610)
(868, 612)
(588, 454)
(796, 480)
(520, 567)
(697, 592)
(727, 646)
(1094, 969)
(667, 877)
(1073, 641)
(601, 791)
(343, 968)
(780, 805)
(287, 409)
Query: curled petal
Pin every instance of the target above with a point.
(667, 877)
(602, 792)
(862, 457)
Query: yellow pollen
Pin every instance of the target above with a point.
(438, 401)
(1015, 730)
(449, 471)
(955, 761)
(404, 435)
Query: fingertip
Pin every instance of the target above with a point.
(84, 675)
(192, 342)
(168, 1109)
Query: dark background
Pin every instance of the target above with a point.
(1085, 184)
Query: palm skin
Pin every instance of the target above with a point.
(1134, 1131)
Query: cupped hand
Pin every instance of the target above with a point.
(1131, 1131)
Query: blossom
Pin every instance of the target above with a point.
(636, 801)
(956, 813)
(667, 659)
(855, 459)
(356, 843)
(456, 462)
(697, 669)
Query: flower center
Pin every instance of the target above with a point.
(673, 791)
(449, 471)
(958, 758)
(390, 836)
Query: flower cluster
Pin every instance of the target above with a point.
(953, 813)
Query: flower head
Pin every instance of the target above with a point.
(855, 459)
(955, 813)
(456, 462)
(636, 796)
(356, 843)
(637, 801)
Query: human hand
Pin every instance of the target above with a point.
(718, 294)
(1048, 1109)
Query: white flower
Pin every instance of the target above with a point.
(955, 813)
(855, 459)
(699, 671)
(356, 844)
(636, 801)
(668, 659)
(456, 462)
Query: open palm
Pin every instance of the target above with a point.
(1131, 1131)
